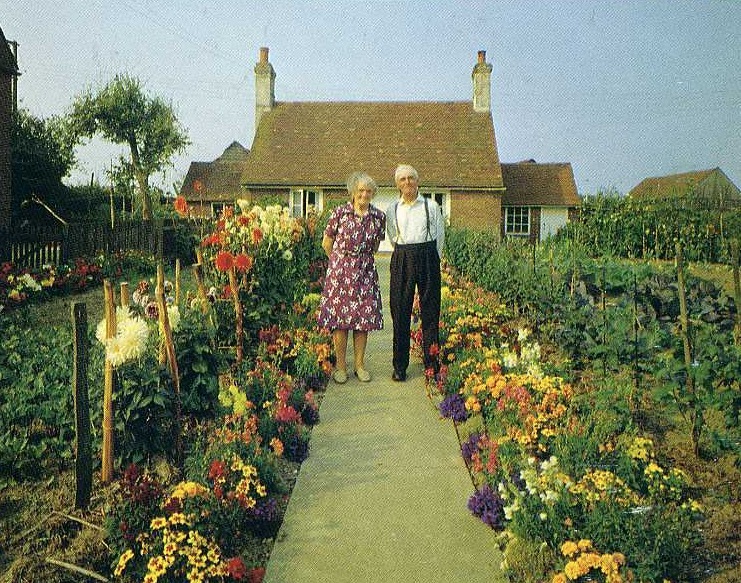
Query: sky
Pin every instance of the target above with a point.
(621, 89)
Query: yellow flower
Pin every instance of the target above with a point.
(127, 555)
(584, 544)
(569, 548)
(157, 523)
(559, 578)
(573, 570)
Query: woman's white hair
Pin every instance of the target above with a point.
(356, 179)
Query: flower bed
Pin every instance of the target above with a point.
(578, 490)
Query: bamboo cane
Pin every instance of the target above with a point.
(685, 331)
(125, 296)
(239, 325)
(107, 452)
(177, 281)
(168, 349)
(736, 287)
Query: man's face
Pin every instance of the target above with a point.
(407, 185)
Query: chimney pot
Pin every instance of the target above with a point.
(264, 54)
(482, 56)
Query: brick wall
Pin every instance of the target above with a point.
(476, 210)
(6, 109)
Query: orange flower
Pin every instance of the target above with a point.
(256, 236)
(224, 261)
(181, 206)
(243, 262)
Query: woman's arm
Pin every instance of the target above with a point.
(327, 244)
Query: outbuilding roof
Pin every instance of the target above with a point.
(532, 184)
(217, 178)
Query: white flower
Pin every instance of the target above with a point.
(28, 281)
(287, 255)
(130, 340)
(522, 334)
(543, 516)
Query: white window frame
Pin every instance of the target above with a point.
(517, 226)
(300, 201)
(442, 198)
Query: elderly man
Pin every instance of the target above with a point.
(416, 229)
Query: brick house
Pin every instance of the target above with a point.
(8, 74)
(302, 153)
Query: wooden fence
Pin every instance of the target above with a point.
(37, 245)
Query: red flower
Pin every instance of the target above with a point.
(243, 262)
(257, 574)
(216, 470)
(287, 414)
(236, 568)
(256, 236)
(243, 220)
(224, 261)
(210, 240)
(181, 206)
(434, 349)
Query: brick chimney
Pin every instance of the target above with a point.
(264, 86)
(482, 84)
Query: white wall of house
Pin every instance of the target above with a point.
(551, 220)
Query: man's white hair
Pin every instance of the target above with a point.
(405, 170)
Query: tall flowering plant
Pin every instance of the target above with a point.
(258, 244)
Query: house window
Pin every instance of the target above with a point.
(517, 220)
(303, 199)
(441, 198)
(217, 208)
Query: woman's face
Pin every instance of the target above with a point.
(363, 195)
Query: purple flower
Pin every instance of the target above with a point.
(453, 407)
(488, 506)
(470, 446)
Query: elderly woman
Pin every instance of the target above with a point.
(351, 299)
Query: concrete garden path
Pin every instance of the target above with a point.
(382, 496)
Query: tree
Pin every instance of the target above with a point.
(41, 156)
(123, 114)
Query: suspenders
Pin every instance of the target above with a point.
(427, 217)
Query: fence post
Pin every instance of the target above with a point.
(83, 454)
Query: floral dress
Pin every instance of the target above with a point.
(351, 298)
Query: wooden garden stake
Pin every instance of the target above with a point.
(177, 281)
(736, 287)
(125, 296)
(168, 349)
(239, 325)
(83, 455)
(200, 286)
(685, 326)
(108, 379)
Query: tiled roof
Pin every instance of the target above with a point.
(218, 178)
(321, 143)
(671, 185)
(7, 60)
(531, 184)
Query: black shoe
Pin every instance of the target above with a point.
(398, 376)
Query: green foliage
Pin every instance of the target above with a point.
(611, 224)
(36, 410)
(41, 156)
(122, 113)
(199, 363)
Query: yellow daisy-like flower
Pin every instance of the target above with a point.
(559, 578)
(123, 560)
(179, 518)
(157, 523)
(584, 544)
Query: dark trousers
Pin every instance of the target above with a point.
(415, 266)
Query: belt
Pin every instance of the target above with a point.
(411, 246)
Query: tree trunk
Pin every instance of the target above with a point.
(142, 180)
